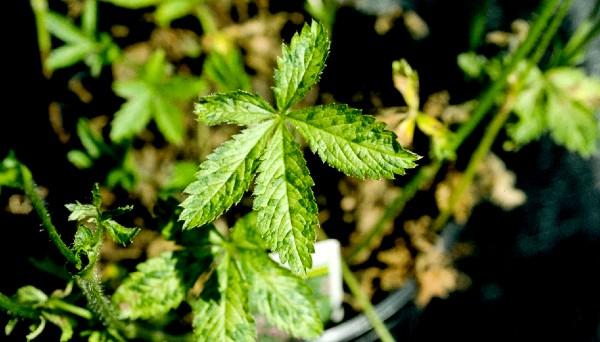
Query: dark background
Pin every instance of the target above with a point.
(535, 270)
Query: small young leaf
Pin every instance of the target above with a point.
(155, 288)
(31, 296)
(224, 177)
(63, 322)
(168, 11)
(351, 142)
(221, 312)
(120, 234)
(134, 4)
(36, 329)
(286, 206)
(10, 326)
(284, 299)
(9, 172)
(300, 65)
(237, 107)
(529, 108)
(84, 241)
(406, 81)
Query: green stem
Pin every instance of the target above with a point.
(550, 32)
(40, 8)
(42, 212)
(485, 103)
(16, 309)
(365, 304)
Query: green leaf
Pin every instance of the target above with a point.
(130, 88)
(300, 65)
(472, 64)
(81, 212)
(79, 159)
(169, 119)
(221, 312)
(284, 299)
(64, 29)
(351, 142)
(67, 55)
(286, 206)
(36, 329)
(84, 241)
(245, 233)
(406, 81)
(183, 88)
(529, 108)
(155, 288)
(131, 119)
(575, 84)
(32, 296)
(119, 233)
(182, 174)
(10, 326)
(134, 4)
(224, 177)
(237, 107)
(572, 125)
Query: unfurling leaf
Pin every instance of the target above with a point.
(119, 233)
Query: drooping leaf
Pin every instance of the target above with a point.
(237, 107)
(300, 65)
(284, 299)
(351, 142)
(221, 313)
(155, 288)
(286, 206)
(224, 177)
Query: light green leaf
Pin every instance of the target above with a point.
(84, 241)
(221, 312)
(245, 233)
(9, 171)
(68, 55)
(237, 107)
(182, 88)
(119, 233)
(169, 119)
(575, 84)
(300, 65)
(406, 81)
(224, 176)
(79, 159)
(529, 108)
(10, 326)
(64, 29)
(182, 174)
(31, 296)
(36, 329)
(81, 212)
(284, 299)
(287, 211)
(155, 288)
(571, 124)
(351, 142)
(226, 70)
(134, 4)
(472, 64)
(131, 119)
(130, 88)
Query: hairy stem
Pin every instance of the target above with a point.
(485, 103)
(42, 212)
(16, 309)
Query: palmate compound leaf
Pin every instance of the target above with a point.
(225, 176)
(284, 299)
(286, 206)
(221, 313)
(284, 202)
(300, 65)
(351, 142)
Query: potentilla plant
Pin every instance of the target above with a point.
(234, 269)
